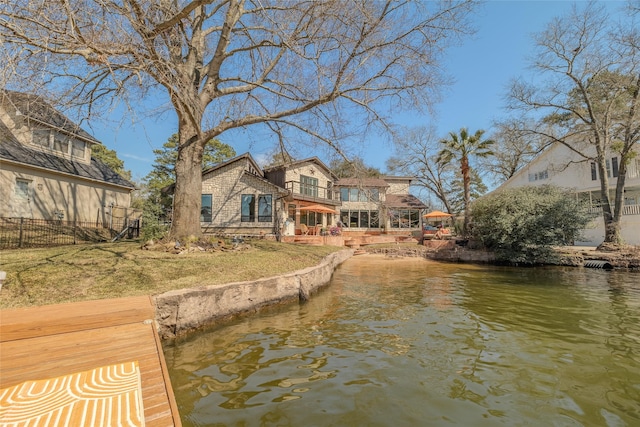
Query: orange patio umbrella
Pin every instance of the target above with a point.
(436, 215)
(318, 209)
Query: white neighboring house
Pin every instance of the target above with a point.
(558, 165)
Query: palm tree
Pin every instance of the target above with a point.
(461, 147)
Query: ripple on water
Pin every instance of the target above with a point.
(416, 342)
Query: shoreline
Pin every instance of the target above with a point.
(180, 312)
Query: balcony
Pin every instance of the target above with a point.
(626, 210)
(312, 193)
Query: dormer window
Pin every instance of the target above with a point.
(78, 148)
(59, 142)
(42, 137)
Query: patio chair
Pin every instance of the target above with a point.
(304, 230)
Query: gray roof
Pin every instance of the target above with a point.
(35, 108)
(13, 151)
(404, 201)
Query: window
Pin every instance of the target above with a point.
(265, 211)
(308, 186)
(77, 148)
(360, 218)
(248, 208)
(61, 143)
(292, 212)
(310, 218)
(538, 176)
(614, 166)
(364, 219)
(356, 195)
(354, 219)
(41, 137)
(207, 208)
(405, 218)
(344, 194)
(374, 220)
(22, 188)
(594, 172)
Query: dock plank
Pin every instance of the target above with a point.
(45, 342)
(45, 320)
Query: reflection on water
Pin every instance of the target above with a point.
(408, 342)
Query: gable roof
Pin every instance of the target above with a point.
(246, 156)
(295, 163)
(259, 175)
(37, 109)
(13, 151)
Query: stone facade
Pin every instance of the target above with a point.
(226, 184)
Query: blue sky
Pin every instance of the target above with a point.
(481, 68)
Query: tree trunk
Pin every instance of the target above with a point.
(466, 183)
(612, 232)
(187, 197)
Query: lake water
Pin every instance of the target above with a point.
(412, 342)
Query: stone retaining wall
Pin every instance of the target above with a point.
(185, 310)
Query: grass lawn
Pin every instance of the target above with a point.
(111, 270)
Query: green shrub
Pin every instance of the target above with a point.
(152, 228)
(521, 225)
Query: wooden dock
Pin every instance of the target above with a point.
(50, 341)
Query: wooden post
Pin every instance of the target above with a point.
(20, 239)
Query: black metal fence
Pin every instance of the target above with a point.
(29, 233)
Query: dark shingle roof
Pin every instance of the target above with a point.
(35, 108)
(404, 201)
(13, 151)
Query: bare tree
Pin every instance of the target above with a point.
(416, 154)
(588, 95)
(314, 68)
(515, 146)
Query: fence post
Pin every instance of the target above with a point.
(20, 238)
(75, 225)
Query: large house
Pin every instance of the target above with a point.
(303, 197)
(558, 165)
(311, 197)
(46, 168)
(379, 204)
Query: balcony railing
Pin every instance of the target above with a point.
(312, 192)
(626, 210)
